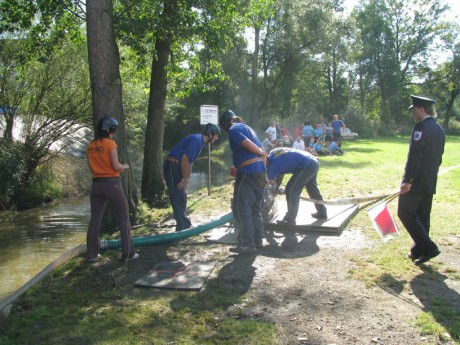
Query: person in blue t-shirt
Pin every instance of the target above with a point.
(251, 178)
(177, 169)
(336, 126)
(304, 168)
(318, 148)
(307, 133)
(334, 147)
(318, 132)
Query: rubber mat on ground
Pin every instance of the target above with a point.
(177, 275)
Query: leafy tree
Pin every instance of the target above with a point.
(53, 103)
(13, 86)
(291, 39)
(161, 29)
(444, 82)
(396, 37)
(106, 84)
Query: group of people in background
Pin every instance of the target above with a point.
(318, 139)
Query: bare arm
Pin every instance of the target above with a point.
(253, 148)
(186, 169)
(116, 163)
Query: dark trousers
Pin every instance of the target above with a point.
(414, 212)
(303, 178)
(103, 194)
(337, 136)
(173, 175)
(306, 141)
(247, 208)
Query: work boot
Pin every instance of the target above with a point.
(319, 216)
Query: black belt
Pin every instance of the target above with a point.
(106, 179)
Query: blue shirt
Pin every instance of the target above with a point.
(334, 147)
(286, 159)
(336, 125)
(237, 133)
(317, 147)
(318, 132)
(307, 131)
(190, 146)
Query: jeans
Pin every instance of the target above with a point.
(173, 175)
(247, 208)
(300, 178)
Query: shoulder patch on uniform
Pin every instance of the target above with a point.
(417, 135)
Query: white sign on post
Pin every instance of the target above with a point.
(209, 114)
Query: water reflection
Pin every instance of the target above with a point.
(32, 239)
(37, 237)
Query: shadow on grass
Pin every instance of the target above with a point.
(438, 299)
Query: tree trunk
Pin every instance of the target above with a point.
(453, 95)
(106, 87)
(8, 134)
(254, 116)
(152, 175)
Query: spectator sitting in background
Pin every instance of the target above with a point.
(318, 132)
(328, 132)
(278, 131)
(334, 148)
(311, 147)
(318, 148)
(272, 130)
(299, 144)
(268, 144)
(284, 132)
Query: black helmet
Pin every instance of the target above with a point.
(107, 124)
(226, 118)
(211, 129)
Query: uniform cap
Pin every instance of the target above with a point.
(420, 101)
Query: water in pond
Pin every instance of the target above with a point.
(31, 240)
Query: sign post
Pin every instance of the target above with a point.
(209, 114)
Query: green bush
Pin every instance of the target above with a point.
(43, 189)
(454, 127)
(360, 124)
(11, 170)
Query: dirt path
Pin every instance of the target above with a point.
(303, 286)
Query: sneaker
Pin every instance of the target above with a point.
(319, 216)
(133, 257)
(243, 250)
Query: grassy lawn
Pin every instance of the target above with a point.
(72, 306)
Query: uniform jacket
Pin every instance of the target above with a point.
(425, 156)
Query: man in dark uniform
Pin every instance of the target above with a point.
(420, 177)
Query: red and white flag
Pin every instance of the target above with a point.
(383, 221)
